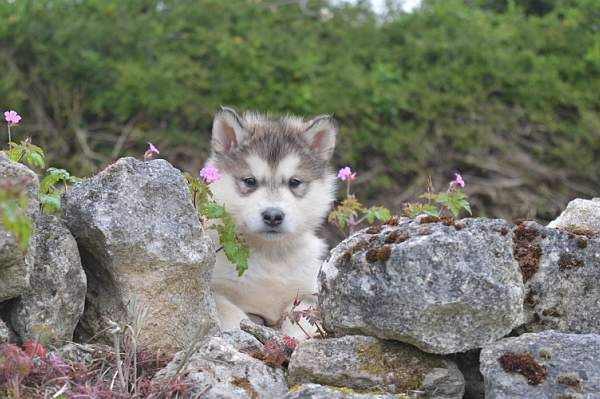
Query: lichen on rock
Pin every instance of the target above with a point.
(369, 364)
(445, 292)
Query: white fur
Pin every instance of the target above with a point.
(283, 265)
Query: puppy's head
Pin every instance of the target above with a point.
(276, 178)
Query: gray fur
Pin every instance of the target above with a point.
(272, 139)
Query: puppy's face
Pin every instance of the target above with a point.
(276, 180)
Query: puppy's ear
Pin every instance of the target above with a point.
(228, 130)
(320, 136)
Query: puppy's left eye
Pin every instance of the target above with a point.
(294, 183)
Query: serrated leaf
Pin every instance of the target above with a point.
(34, 159)
(50, 203)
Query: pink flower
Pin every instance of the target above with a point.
(150, 152)
(210, 174)
(12, 118)
(346, 174)
(458, 181)
(152, 148)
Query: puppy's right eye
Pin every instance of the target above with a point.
(250, 182)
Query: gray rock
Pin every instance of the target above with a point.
(82, 353)
(18, 172)
(563, 292)
(555, 365)
(51, 307)
(444, 289)
(316, 391)
(262, 333)
(369, 364)
(15, 265)
(242, 341)
(468, 364)
(219, 370)
(579, 213)
(141, 242)
(4, 333)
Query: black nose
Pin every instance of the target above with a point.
(273, 216)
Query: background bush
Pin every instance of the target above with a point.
(505, 91)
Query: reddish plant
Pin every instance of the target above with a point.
(33, 348)
(275, 355)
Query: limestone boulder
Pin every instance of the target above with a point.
(440, 285)
(141, 242)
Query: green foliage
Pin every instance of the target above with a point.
(236, 251)
(377, 213)
(452, 200)
(13, 205)
(349, 209)
(27, 153)
(52, 186)
(350, 213)
(499, 89)
(413, 209)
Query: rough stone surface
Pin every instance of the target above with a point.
(141, 242)
(4, 333)
(15, 266)
(82, 353)
(468, 364)
(579, 213)
(53, 303)
(564, 293)
(571, 361)
(316, 391)
(223, 368)
(261, 332)
(369, 364)
(443, 288)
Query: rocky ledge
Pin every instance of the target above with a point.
(423, 308)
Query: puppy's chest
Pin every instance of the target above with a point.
(269, 285)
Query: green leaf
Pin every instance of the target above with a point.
(12, 214)
(236, 251)
(414, 209)
(50, 203)
(212, 210)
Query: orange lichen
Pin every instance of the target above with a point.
(395, 237)
(378, 254)
(580, 231)
(570, 380)
(525, 251)
(429, 219)
(568, 261)
(524, 364)
(246, 386)
(374, 230)
(393, 221)
(459, 226)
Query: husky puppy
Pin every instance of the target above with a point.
(277, 185)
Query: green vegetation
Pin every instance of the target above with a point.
(235, 249)
(13, 206)
(506, 92)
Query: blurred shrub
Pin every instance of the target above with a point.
(504, 91)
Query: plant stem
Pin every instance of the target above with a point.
(21, 156)
(303, 330)
(351, 224)
(8, 127)
(118, 361)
